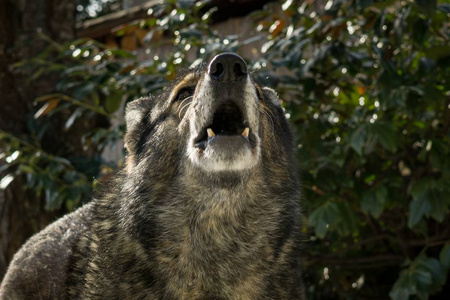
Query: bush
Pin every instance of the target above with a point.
(365, 85)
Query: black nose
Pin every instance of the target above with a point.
(227, 67)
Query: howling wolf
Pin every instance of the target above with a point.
(205, 207)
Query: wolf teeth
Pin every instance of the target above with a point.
(246, 132)
(210, 132)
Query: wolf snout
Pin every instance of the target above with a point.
(227, 67)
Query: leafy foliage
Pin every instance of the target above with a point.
(365, 85)
(88, 9)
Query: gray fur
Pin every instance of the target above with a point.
(170, 229)
(39, 269)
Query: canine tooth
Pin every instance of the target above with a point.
(246, 132)
(210, 132)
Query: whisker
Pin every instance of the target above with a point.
(270, 112)
(264, 112)
(185, 99)
(182, 107)
(269, 115)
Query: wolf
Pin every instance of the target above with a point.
(207, 205)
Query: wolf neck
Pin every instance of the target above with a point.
(207, 237)
(220, 215)
(220, 236)
(211, 217)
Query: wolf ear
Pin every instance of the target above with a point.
(271, 95)
(134, 114)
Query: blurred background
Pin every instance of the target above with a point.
(364, 83)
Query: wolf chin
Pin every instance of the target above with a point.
(206, 206)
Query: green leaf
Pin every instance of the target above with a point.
(358, 139)
(430, 199)
(5, 181)
(423, 277)
(46, 108)
(418, 208)
(316, 219)
(428, 7)
(346, 220)
(420, 30)
(386, 135)
(337, 216)
(444, 8)
(403, 287)
(185, 4)
(77, 113)
(373, 200)
(437, 52)
(113, 101)
(430, 274)
(444, 256)
(322, 217)
(439, 201)
(51, 199)
(82, 91)
(191, 33)
(396, 96)
(122, 53)
(26, 169)
(362, 4)
(438, 153)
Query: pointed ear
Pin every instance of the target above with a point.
(134, 115)
(271, 95)
(134, 112)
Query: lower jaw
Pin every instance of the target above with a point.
(211, 160)
(226, 141)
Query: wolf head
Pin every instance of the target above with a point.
(208, 201)
(214, 123)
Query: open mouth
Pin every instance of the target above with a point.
(228, 120)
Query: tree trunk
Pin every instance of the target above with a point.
(21, 212)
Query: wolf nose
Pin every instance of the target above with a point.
(227, 67)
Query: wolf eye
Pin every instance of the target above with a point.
(184, 93)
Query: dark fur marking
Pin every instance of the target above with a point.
(286, 229)
(148, 129)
